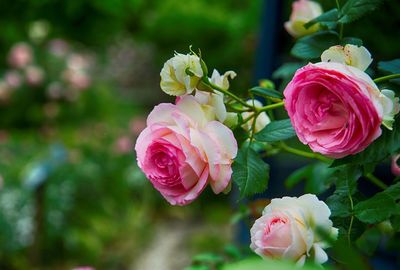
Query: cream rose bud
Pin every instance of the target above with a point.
(261, 121)
(303, 11)
(350, 55)
(287, 229)
(181, 74)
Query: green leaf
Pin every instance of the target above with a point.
(265, 92)
(328, 19)
(250, 172)
(276, 131)
(267, 264)
(392, 67)
(197, 267)
(387, 144)
(318, 178)
(312, 46)
(355, 9)
(346, 186)
(286, 70)
(376, 209)
(369, 240)
(351, 40)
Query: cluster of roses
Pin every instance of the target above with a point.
(66, 73)
(334, 107)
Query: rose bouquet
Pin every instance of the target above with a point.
(348, 120)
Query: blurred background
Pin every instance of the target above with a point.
(77, 79)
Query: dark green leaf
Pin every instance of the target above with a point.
(376, 209)
(250, 172)
(369, 240)
(346, 186)
(355, 9)
(312, 46)
(351, 40)
(276, 131)
(318, 178)
(265, 92)
(395, 222)
(392, 66)
(387, 144)
(328, 19)
(286, 70)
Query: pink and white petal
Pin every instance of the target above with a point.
(161, 114)
(224, 136)
(220, 177)
(189, 106)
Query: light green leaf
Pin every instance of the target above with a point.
(312, 46)
(355, 9)
(276, 131)
(250, 172)
(266, 264)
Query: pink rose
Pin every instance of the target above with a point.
(20, 55)
(181, 150)
(334, 108)
(34, 75)
(303, 11)
(395, 165)
(287, 229)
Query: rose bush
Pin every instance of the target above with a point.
(183, 149)
(287, 229)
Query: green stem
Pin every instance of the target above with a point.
(337, 4)
(387, 78)
(302, 153)
(351, 220)
(226, 92)
(341, 29)
(270, 107)
(375, 180)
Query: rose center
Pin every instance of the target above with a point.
(275, 222)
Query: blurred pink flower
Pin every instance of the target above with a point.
(20, 55)
(123, 145)
(84, 268)
(54, 90)
(34, 75)
(395, 165)
(58, 47)
(77, 79)
(137, 124)
(13, 79)
(78, 61)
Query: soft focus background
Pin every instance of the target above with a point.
(77, 79)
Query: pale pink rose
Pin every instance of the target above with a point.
(20, 55)
(395, 165)
(77, 79)
(13, 79)
(181, 150)
(303, 11)
(336, 109)
(34, 75)
(123, 145)
(84, 268)
(58, 47)
(137, 125)
(287, 229)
